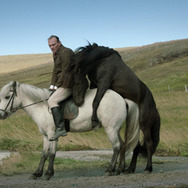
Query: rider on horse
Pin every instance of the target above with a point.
(60, 83)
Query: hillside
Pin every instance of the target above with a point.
(161, 64)
(12, 63)
(147, 56)
(163, 67)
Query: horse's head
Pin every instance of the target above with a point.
(89, 57)
(9, 100)
(80, 85)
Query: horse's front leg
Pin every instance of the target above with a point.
(102, 88)
(38, 173)
(52, 151)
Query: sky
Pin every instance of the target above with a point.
(25, 25)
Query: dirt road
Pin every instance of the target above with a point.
(167, 172)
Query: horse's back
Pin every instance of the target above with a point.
(111, 100)
(112, 109)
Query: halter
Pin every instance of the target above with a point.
(11, 101)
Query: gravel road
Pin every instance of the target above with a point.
(167, 172)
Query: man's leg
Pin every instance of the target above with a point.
(59, 95)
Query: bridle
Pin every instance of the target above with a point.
(11, 102)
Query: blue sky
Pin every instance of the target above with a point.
(25, 25)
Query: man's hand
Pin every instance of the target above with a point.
(52, 89)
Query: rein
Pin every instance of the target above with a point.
(13, 110)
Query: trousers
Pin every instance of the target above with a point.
(59, 95)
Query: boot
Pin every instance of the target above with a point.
(59, 123)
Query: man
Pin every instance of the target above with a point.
(60, 82)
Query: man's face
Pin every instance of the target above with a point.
(54, 45)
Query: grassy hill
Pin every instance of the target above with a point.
(12, 63)
(163, 67)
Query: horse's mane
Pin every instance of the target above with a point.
(87, 58)
(35, 93)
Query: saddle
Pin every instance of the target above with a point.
(69, 110)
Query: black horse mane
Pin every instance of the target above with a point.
(87, 58)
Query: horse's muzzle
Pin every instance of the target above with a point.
(3, 114)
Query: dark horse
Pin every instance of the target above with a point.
(106, 70)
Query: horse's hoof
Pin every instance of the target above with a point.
(46, 177)
(33, 177)
(128, 171)
(147, 172)
(108, 174)
(118, 172)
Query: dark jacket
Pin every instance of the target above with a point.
(63, 67)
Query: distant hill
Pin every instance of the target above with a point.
(157, 53)
(165, 60)
(11, 63)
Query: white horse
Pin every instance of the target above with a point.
(112, 112)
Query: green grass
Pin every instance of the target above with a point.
(27, 162)
(19, 132)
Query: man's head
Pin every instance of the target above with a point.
(54, 43)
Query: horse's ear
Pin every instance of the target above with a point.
(14, 84)
(13, 87)
(95, 45)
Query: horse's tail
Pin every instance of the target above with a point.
(155, 131)
(155, 135)
(132, 130)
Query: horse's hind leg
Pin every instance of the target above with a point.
(146, 149)
(114, 139)
(121, 167)
(150, 125)
(44, 156)
(132, 166)
(149, 147)
(147, 119)
(111, 169)
(52, 151)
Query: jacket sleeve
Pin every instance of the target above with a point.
(67, 58)
(54, 77)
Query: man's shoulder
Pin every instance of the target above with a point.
(64, 49)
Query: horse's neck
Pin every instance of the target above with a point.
(31, 106)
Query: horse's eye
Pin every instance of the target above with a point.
(7, 97)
